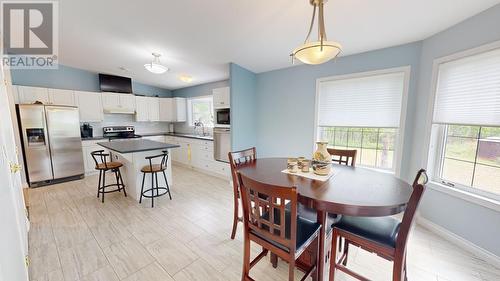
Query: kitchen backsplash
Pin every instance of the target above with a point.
(129, 119)
(184, 128)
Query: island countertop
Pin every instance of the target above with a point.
(136, 145)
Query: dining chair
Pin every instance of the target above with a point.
(343, 156)
(236, 159)
(385, 236)
(269, 223)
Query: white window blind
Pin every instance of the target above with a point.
(468, 90)
(370, 101)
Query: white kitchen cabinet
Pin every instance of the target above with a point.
(87, 147)
(180, 108)
(29, 95)
(61, 97)
(118, 103)
(147, 109)
(127, 101)
(198, 154)
(90, 106)
(221, 97)
(166, 109)
(141, 109)
(154, 109)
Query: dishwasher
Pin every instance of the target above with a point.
(222, 144)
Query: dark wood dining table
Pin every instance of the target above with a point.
(351, 191)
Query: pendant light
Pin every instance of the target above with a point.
(321, 51)
(155, 66)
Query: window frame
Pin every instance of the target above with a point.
(400, 140)
(435, 138)
(190, 109)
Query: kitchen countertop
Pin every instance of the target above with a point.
(209, 138)
(136, 145)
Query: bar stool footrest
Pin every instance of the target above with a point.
(163, 189)
(120, 187)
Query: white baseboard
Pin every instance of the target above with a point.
(459, 241)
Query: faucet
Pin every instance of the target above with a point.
(199, 124)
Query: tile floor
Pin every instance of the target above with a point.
(75, 237)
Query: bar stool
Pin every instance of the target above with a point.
(102, 166)
(154, 169)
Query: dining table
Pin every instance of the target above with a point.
(350, 191)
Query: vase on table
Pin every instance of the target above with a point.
(322, 160)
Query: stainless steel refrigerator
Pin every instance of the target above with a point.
(51, 142)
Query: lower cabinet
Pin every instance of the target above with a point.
(87, 147)
(198, 154)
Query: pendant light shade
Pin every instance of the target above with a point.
(155, 66)
(320, 51)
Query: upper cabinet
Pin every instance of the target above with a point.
(166, 110)
(179, 107)
(62, 97)
(90, 106)
(118, 103)
(172, 109)
(147, 109)
(222, 97)
(29, 95)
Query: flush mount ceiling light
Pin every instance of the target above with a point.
(185, 78)
(321, 51)
(155, 66)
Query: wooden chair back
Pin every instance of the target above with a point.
(343, 156)
(100, 158)
(264, 211)
(238, 158)
(421, 178)
(411, 209)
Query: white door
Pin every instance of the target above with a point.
(61, 97)
(141, 109)
(127, 101)
(154, 109)
(29, 95)
(13, 221)
(166, 110)
(89, 106)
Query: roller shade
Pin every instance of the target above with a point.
(468, 90)
(369, 101)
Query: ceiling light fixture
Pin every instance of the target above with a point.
(185, 78)
(155, 66)
(321, 51)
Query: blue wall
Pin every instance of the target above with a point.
(199, 90)
(243, 108)
(478, 224)
(286, 109)
(286, 100)
(74, 79)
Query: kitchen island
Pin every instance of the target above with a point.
(132, 153)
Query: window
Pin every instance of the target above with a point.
(363, 112)
(375, 146)
(466, 123)
(201, 109)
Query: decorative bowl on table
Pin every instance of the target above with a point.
(321, 168)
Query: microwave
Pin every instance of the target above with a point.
(222, 116)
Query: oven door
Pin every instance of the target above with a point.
(223, 117)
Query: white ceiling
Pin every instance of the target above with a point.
(200, 37)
